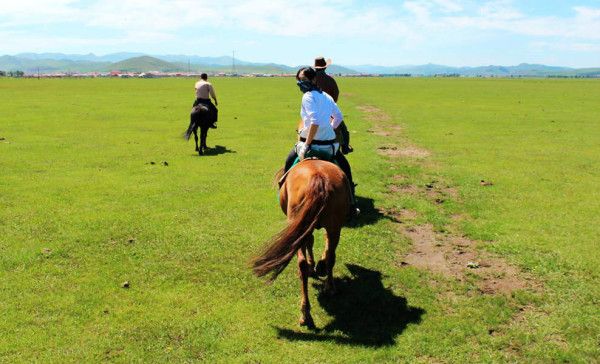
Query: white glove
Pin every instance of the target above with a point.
(303, 150)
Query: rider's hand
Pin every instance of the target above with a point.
(303, 150)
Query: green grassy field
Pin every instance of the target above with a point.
(83, 209)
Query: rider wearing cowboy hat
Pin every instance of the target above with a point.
(328, 84)
(320, 116)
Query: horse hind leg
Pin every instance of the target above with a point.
(304, 269)
(196, 139)
(203, 135)
(310, 257)
(327, 262)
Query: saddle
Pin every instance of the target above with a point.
(202, 115)
(282, 179)
(200, 108)
(312, 155)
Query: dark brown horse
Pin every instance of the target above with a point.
(315, 194)
(200, 117)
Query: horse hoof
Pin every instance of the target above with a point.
(320, 269)
(200, 152)
(307, 321)
(197, 150)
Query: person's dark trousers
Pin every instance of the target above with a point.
(290, 159)
(345, 144)
(345, 166)
(210, 106)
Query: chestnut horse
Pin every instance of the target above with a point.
(315, 194)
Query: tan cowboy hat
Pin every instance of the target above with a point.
(321, 63)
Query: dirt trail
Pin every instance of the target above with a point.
(382, 127)
(451, 255)
(457, 257)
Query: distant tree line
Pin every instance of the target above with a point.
(12, 73)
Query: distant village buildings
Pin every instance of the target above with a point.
(160, 74)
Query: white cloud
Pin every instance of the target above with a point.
(449, 5)
(406, 23)
(155, 15)
(30, 12)
(567, 46)
(503, 16)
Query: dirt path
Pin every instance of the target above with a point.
(450, 253)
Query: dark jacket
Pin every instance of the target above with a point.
(327, 84)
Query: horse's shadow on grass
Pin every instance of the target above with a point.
(218, 149)
(364, 312)
(369, 214)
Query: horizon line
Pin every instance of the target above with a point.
(428, 63)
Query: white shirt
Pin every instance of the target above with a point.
(318, 108)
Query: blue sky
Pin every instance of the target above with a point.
(381, 32)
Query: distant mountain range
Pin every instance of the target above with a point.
(139, 62)
(523, 69)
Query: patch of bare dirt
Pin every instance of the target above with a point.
(379, 132)
(374, 114)
(435, 190)
(436, 193)
(457, 257)
(401, 215)
(441, 195)
(404, 189)
(408, 151)
(382, 126)
(385, 130)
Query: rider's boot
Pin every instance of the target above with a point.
(345, 144)
(354, 210)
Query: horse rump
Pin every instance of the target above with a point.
(198, 116)
(284, 245)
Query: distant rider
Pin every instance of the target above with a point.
(204, 89)
(328, 84)
(320, 116)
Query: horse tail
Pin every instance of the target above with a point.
(190, 129)
(287, 242)
(197, 118)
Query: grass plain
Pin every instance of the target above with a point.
(83, 209)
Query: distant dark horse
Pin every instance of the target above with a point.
(200, 117)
